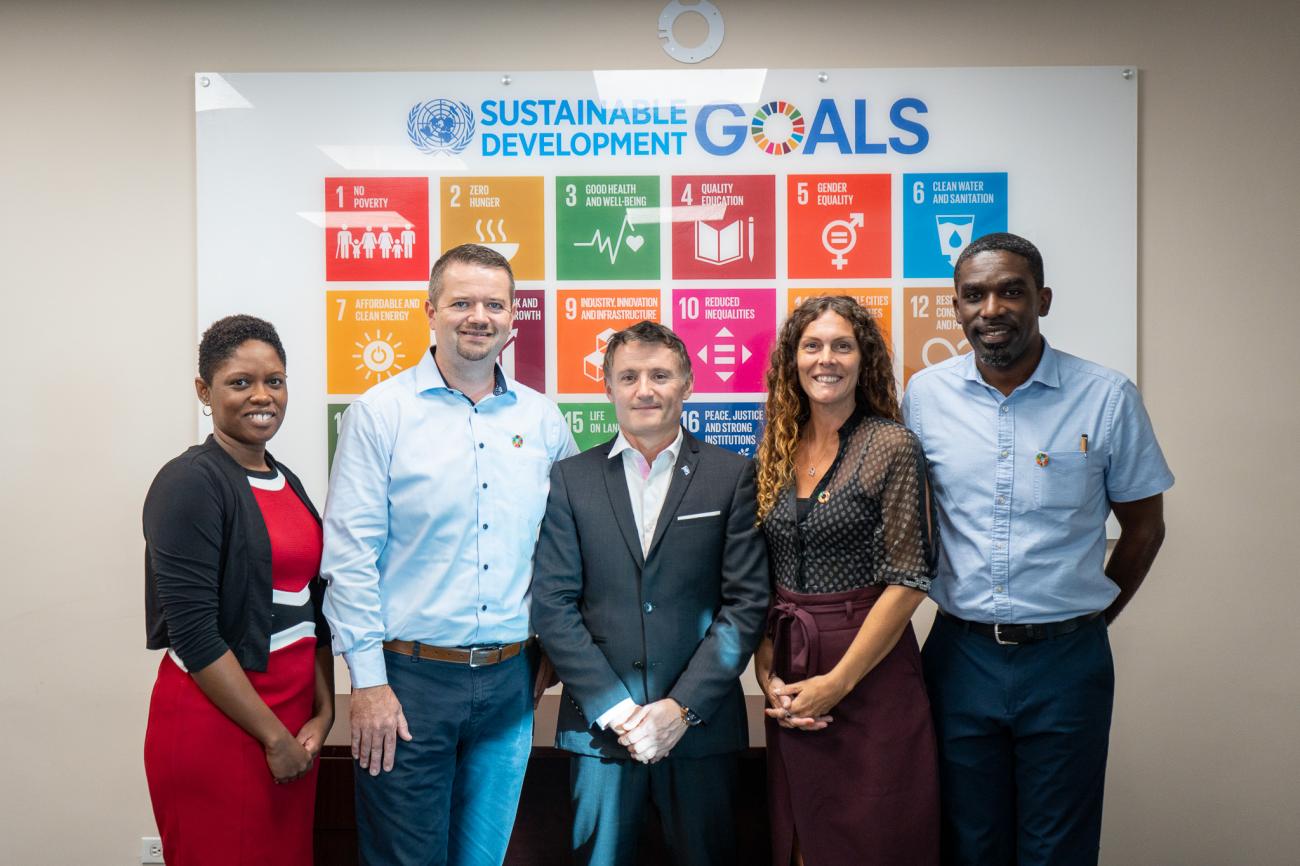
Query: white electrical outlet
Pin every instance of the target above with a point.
(150, 849)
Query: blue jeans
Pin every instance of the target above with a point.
(454, 788)
(1023, 734)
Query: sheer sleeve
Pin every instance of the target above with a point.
(906, 511)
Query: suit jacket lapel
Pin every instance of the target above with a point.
(621, 501)
(683, 474)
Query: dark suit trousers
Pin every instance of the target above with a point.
(695, 798)
(1022, 732)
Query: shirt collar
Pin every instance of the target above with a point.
(428, 377)
(621, 444)
(851, 423)
(1048, 371)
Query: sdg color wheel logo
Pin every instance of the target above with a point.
(440, 126)
(777, 128)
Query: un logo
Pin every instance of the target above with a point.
(440, 126)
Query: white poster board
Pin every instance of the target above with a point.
(709, 199)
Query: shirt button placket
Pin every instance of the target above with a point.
(999, 556)
(478, 436)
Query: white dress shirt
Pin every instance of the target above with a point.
(647, 487)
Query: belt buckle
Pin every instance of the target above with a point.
(997, 636)
(486, 651)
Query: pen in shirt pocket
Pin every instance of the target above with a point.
(1083, 442)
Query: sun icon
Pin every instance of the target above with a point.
(378, 355)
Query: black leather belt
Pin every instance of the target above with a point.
(1013, 634)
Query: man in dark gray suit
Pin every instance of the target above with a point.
(650, 588)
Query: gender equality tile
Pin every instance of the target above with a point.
(838, 225)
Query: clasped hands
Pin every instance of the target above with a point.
(290, 756)
(804, 705)
(650, 732)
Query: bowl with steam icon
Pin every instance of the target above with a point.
(492, 234)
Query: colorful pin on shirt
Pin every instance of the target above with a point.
(824, 497)
(517, 441)
(1040, 458)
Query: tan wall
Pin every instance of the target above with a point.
(97, 265)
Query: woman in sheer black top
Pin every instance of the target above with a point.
(844, 502)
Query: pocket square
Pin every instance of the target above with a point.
(699, 515)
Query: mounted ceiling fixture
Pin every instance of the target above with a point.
(693, 54)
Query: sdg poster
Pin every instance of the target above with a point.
(713, 201)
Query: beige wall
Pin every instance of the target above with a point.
(98, 271)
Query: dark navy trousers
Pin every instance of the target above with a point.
(454, 788)
(1023, 734)
(695, 799)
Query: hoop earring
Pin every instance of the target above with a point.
(207, 411)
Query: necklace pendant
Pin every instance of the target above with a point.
(812, 470)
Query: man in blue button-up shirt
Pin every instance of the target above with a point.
(438, 489)
(1029, 450)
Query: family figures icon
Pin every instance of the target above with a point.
(348, 246)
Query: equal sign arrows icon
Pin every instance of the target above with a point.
(723, 353)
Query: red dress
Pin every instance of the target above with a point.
(213, 795)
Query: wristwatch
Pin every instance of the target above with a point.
(689, 717)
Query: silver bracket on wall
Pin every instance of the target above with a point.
(705, 49)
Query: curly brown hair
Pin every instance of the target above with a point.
(787, 404)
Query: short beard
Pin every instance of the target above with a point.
(998, 358)
(473, 355)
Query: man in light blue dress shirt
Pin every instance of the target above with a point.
(1029, 450)
(438, 489)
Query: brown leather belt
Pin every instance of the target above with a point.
(475, 656)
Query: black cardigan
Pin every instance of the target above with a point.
(207, 566)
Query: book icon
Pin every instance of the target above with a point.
(725, 245)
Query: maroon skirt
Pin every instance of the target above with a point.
(866, 789)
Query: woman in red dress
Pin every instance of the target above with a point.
(842, 497)
(245, 692)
